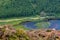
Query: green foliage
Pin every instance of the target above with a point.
(42, 24)
(22, 35)
(24, 8)
(48, 30)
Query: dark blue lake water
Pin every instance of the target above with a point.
(30, 25)
(53, 24)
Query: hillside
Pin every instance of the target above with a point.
(9, 33)
(29, 19)
(26, 8)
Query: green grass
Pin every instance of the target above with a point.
(42, 24)
(17, 23)
(20, 27)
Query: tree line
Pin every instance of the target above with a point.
(25, 8)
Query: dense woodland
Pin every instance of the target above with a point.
(25, 8)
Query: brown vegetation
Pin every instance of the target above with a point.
(7, 32)
(44, 34)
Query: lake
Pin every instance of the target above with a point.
(53, 24)
(30, 25)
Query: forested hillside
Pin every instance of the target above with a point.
(25, 8)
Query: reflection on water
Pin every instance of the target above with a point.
(53, 24)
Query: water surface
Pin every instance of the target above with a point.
(30, 25)
(53, 24)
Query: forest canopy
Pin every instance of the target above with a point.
(25, 8)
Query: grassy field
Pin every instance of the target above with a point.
(17, 22)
